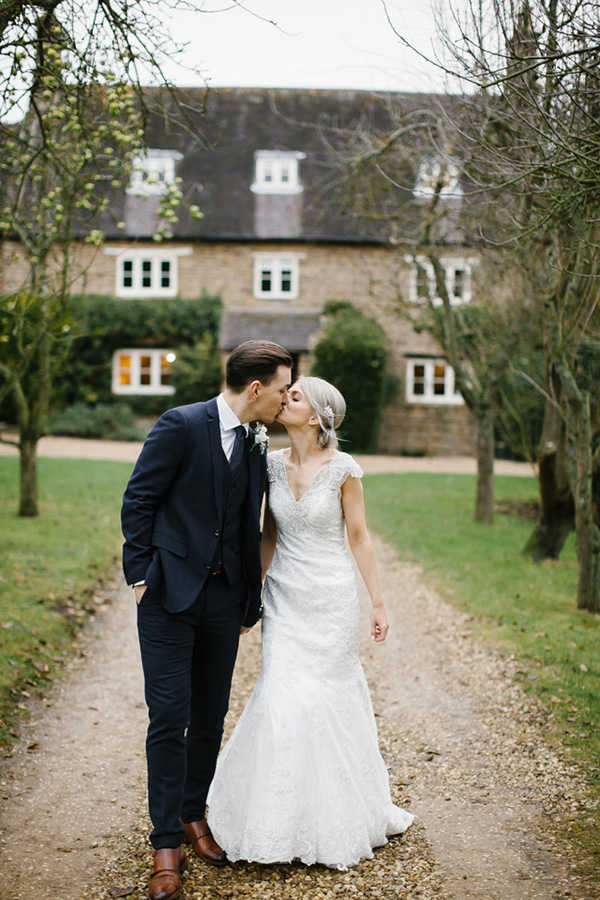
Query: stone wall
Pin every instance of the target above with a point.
(373, 277)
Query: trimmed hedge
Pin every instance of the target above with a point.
(103, 324)
(351, 353)
(108, 421)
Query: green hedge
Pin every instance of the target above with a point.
(103, 324)
(351, 353)
(108, 421)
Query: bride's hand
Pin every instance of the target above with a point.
(379, 623)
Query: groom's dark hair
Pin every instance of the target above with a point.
(254, 361)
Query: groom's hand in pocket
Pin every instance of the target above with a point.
(140, 590)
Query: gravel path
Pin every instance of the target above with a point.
(464, 745)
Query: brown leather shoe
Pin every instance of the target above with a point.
(200, 837)
(165, 882)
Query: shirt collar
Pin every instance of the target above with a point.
(227, 417)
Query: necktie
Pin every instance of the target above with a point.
(238, 448)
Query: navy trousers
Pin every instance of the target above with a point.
(188, 661)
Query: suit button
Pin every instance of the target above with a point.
(217, 533)
(219, 563)
(207, 565)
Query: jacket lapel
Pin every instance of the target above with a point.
(218, 458)
(254, 462)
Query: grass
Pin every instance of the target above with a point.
(520, 607)
(49, 569)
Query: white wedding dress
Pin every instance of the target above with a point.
(301, 776)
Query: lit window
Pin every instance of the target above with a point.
(146, 371)
(422, 280)
(431, 381)
(277, 172)
(276, 278)
(153, 172)
(436, 174)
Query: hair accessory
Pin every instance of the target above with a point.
(330, 415)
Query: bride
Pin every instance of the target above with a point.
(302, 777)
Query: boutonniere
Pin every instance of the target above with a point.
(261, 438)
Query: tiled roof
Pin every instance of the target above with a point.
(217, 172)
(292, 330)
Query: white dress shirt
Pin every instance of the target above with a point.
(228, 422)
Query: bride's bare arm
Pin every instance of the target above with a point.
(269, 538)
(362, 549)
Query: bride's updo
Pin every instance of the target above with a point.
(329, 406)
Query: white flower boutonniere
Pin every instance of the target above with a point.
(261, 438)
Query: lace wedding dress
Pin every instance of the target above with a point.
(302, 776)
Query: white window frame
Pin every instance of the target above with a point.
(277, 172)
(278, 265)
(153, 172)
(430, 171)
(135, 386)
(138, 259)
(451, 265)
(450, 397)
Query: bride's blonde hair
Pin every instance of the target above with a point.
(328, 405)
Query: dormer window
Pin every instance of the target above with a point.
(436, 174)
(277, 172)
(153, 172)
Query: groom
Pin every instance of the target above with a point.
(192, 550)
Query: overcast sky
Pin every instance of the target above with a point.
(317, 44)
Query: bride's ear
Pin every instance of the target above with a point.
(314, 420)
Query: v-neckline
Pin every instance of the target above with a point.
(315, 476)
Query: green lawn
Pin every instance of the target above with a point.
(519, 607)
(49, 567)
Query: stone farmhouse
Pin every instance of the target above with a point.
(276, 243)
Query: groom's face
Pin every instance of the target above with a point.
(273, 397)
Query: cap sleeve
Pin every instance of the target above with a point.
(343, 467)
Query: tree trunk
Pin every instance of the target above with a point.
(29, 490)
(588, 534)
(557, 515)
(484, 504)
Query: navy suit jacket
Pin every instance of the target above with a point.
(173, 508)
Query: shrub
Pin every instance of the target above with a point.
(110, 421)
(351, 354)
(105, 324)
(197, 372)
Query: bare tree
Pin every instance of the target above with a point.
(536, 67)
(380, 161)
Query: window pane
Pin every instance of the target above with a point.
(165, 278)
(285, 174)
(459, 283)
(146, 273)
(145, 369)
(419, 380)
(124, 369)
(165, 370)
(265, 280)
(286, 280)
(439, 374)
(127, 273)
